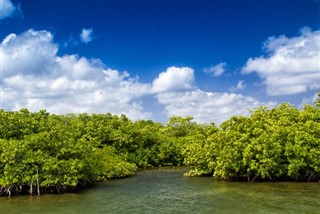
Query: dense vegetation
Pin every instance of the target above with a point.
(42, 152)
(278, 144)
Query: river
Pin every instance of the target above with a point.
(165, 190)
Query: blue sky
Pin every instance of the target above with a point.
(153, 59)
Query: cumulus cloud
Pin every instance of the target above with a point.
(240, 86)
(31, 52)
(176, 91)
(8, 9)
(216, 70)
(207, 106)
(174, 79)
(34, 76)
(86, 35)
(292, 65)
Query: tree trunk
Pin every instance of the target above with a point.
(38, 187)
(311, 175)
(31, 188)
(9, 192)
(254, 178)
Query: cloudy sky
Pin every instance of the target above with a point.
(150, 59)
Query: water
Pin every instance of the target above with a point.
(167, 191)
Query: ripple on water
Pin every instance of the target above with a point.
(165, 190)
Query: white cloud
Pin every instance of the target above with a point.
(292, 65)
(34, 76)
(240, 86)
(7, 9)
(86, 35)
(207, 106)
(174, 79)
(31, 52)
(216, 70)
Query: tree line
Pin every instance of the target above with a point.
(48, 153)
(282, 143)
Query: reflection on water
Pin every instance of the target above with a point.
(167, 191)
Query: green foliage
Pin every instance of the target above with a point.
(282, 143)
(58, 152)
(42, 152)
(198, 152)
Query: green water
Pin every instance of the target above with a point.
(167, 191)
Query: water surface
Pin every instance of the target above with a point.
(167, 191)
